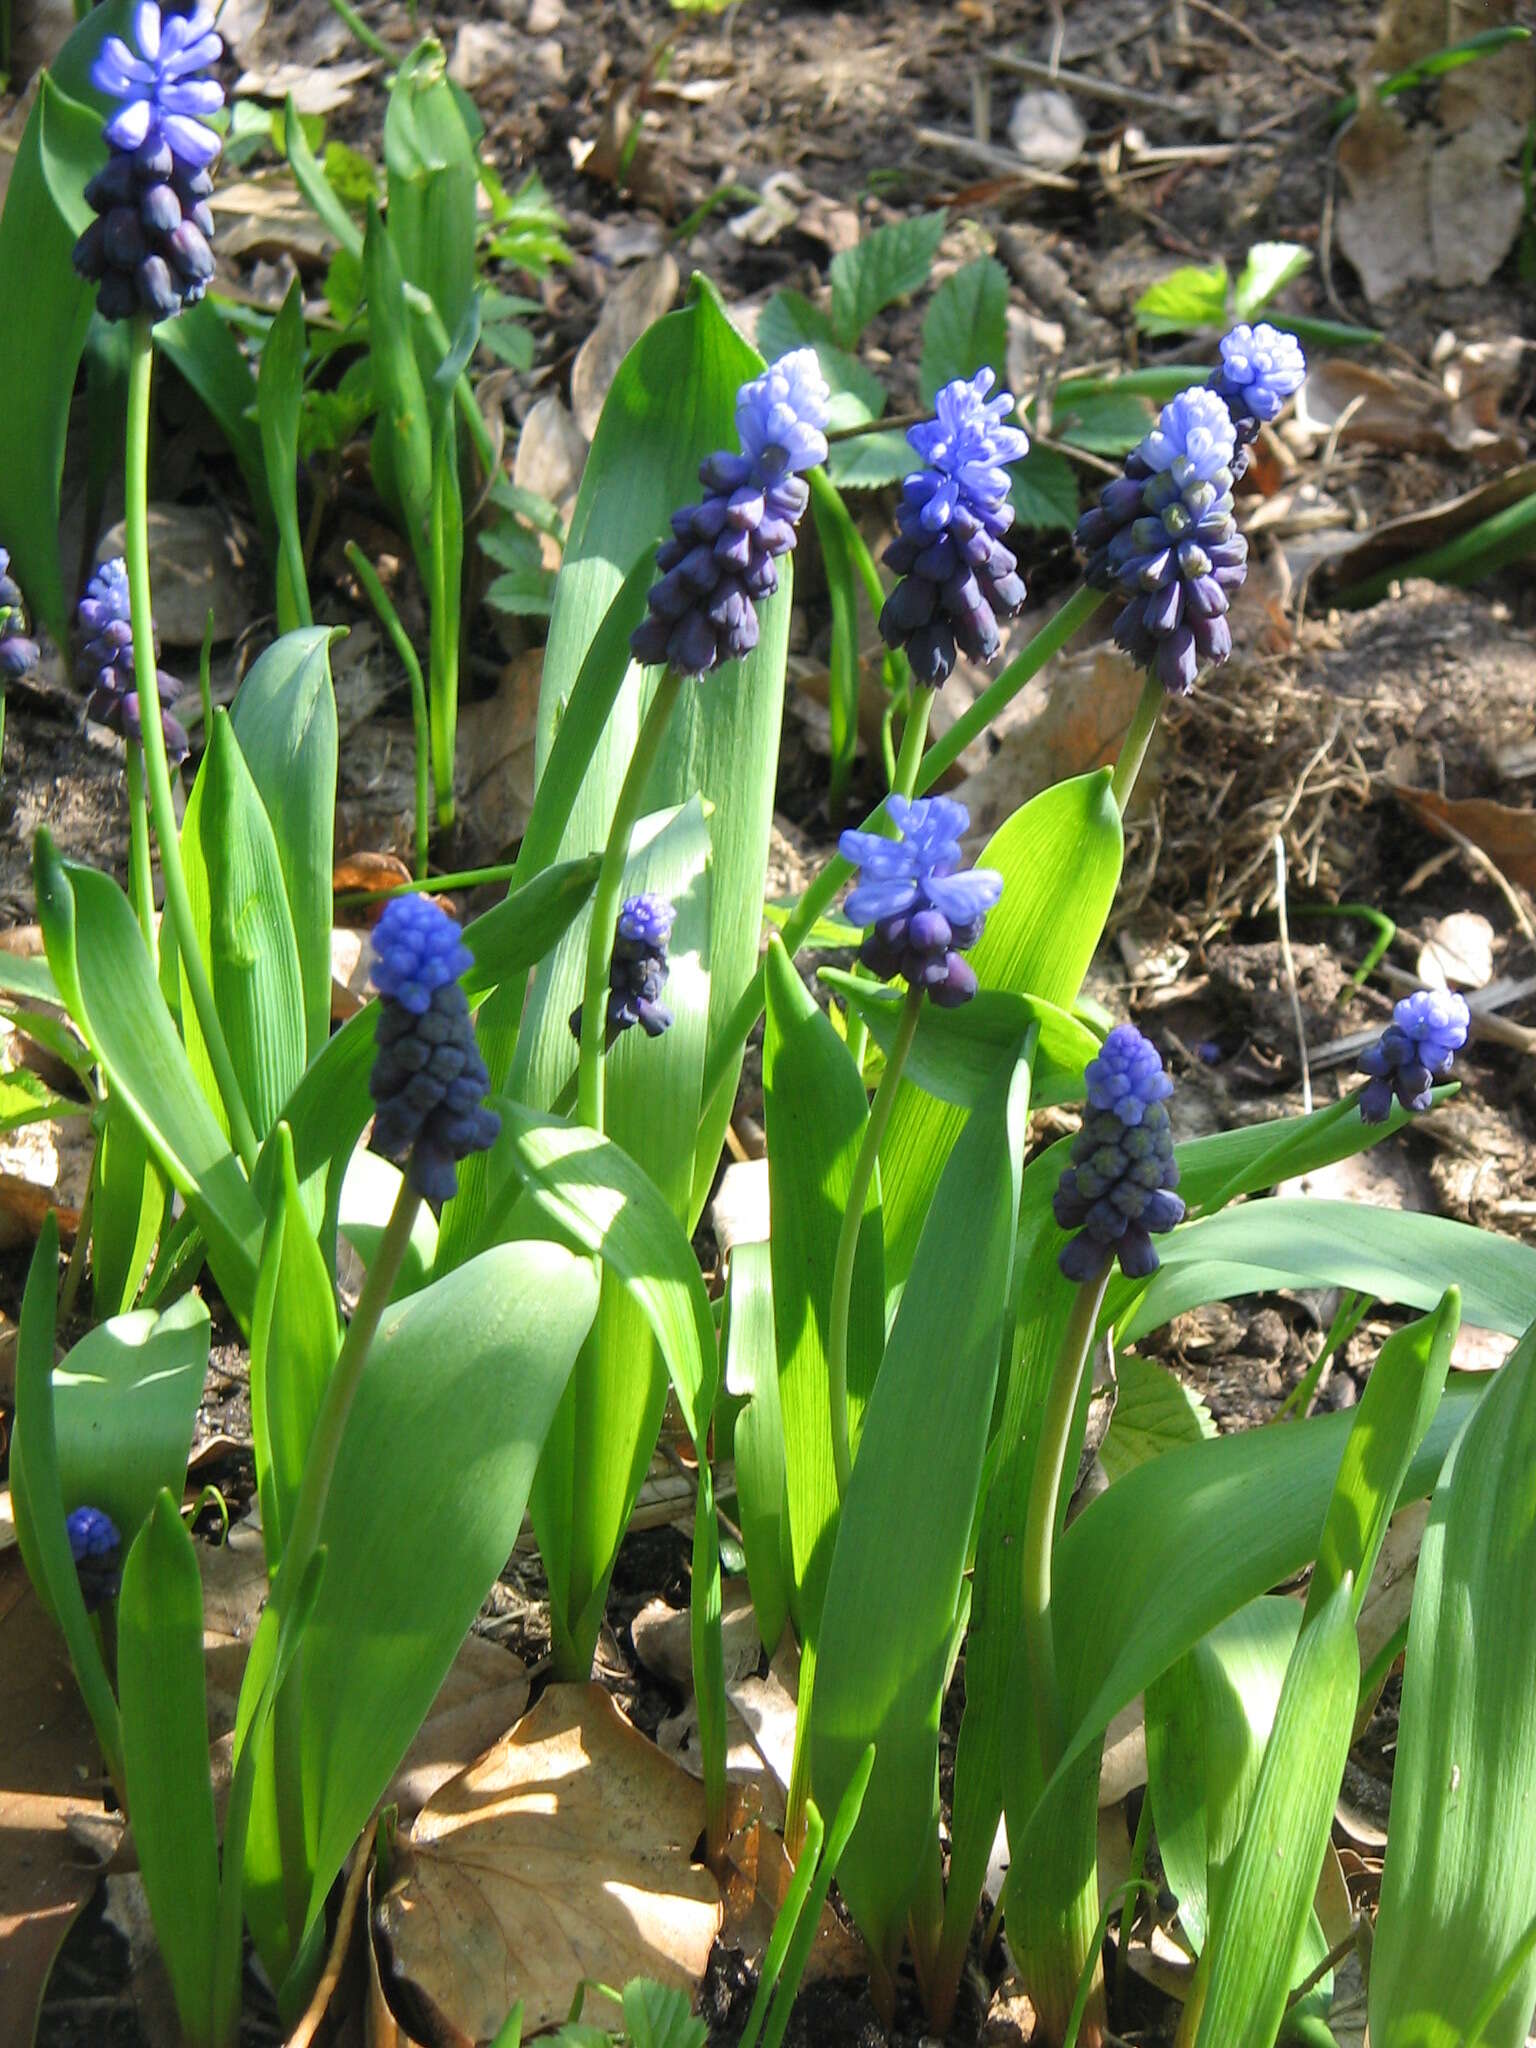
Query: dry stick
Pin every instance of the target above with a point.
(1090, 88)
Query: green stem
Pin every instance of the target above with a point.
(914, 737)
(141, 361)
(389, 619)
(1040, 1518)
(1133, 748)
(141, 887)
(848, 1234)
(607, 896)
(365, 35)
(303, 1534)
(1052, 637)
(443, 656)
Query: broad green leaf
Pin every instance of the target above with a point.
(467, 1373)
(240, 912)
(660, 2016)
(105, 976)
(1044, 490)
(60, 148)
(125, 1406)
(816, 1112)
(671, 403)
(789, 321)
(402, 438)
(888, 1623)
(1154, 1412)
(1401, 1396)
(1185, 302)
(128, 1203)
(1243, 1162)
(1270, 267)
(955, 1053)
(164, 1703)
(370, 1188)
(284, 716)
(429, 156)
(38, 1498)
(294, 1341)
(885, 266)
(590, 1478)
(203, 348)
(1059, 857)
(1109, 424)
(870, 461)
(1459, 1888)
(966, 326)
(752, 1376)
(1208, 1717)
(279, 396)
(1396, 1255)
(1264, 1903)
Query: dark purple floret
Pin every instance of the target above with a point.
(429, 1081)
(637, 969)
(150, 248)
(923, 913)
(701, 610)
(104, 662)
(96, 1547)
(1165, 536)
(1118, 1191)
(18, 653)
(957, 578)
(1418, 1047)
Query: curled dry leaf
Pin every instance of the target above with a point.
(564, 1853)
(635, 303)
(1505, 834)
(1399, 540)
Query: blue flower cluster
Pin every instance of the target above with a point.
(1417, 1048)
(1261, 370)
(105, 661)
(150, 249)
(637, 969)
(429, 1081)
(96, 1547)
(1118, 1190)
(922, 911)
(957, 578)
(18, 654)
(1165, 536)
(701, 611)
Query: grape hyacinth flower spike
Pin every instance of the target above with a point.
(1418, 1047)
(1118, 1190)
(96, 1547)
(701, 610)
(957, 578)
(429, 1081)
(922, 911)
(18, 653)
(149, 248)
(105, 661)
(1261, 370)
(1164, 535)
(637, 969)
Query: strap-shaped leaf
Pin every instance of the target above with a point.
(752, 1376)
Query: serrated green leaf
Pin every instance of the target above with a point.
(1110, 424)
(884, 266)
(868, 462)
(1185, 302)
(789, 321)
(660, 2016)
(1270, 267)
(1044, 490)
(1154, 1412)
(966, 326)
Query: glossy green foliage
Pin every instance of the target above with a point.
(816, 1114)
(402, 437)
(245, 930)
(429, 156)
(127, 1209)
(893, 1601)
(762, 1495)
(279, 397)
(1459, 1888)
(163, 1697)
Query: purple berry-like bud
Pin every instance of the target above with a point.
(957, 578)
(96, 1547)
(1417, 1048)
(637, 969)
(104, 660)
(1117, 1193)
(720, 559)
(1261, 370)
(922, 910)
(429, 1081)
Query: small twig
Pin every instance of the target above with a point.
(1090, 88)
(1290, 974)
(1335, 1955)
(991, 158)
(1496, 875)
